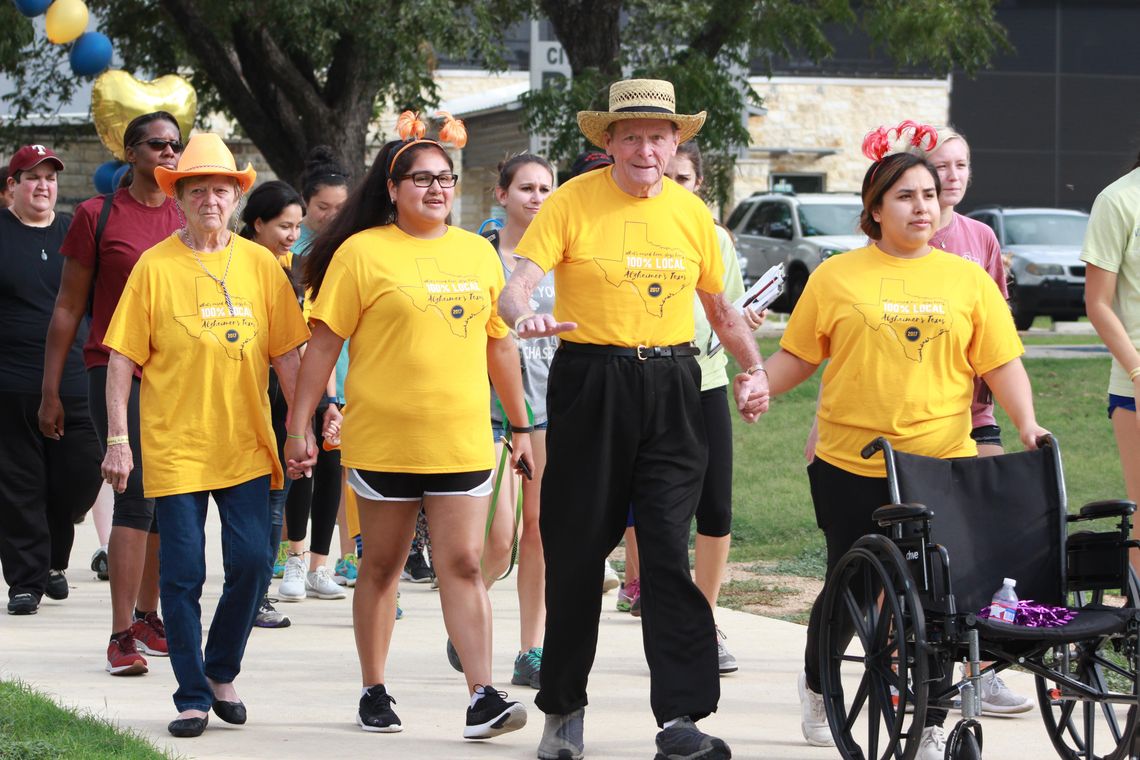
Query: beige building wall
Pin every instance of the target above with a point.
(816, 125)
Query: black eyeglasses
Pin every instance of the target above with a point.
(424, 179)
(158, 145)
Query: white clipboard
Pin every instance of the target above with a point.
(758, 297)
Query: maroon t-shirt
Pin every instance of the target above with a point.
(131, 229)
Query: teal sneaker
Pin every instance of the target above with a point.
(399, 610)
(527, 667)
(279, 563)
(346, 570)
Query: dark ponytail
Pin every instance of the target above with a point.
(321, 170)
(368, 205)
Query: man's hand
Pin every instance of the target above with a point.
(751, 394)
(542, 326)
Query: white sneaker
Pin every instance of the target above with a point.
(932, 744)
(610, 580)
(997, 699)
(292, 586)
(813, 718)
(319, 583)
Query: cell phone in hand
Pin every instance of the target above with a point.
(522, 466)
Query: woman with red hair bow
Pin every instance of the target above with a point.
(418, 299)
(907, 327)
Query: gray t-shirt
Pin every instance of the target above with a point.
(535, 354)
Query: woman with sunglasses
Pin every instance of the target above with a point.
(416, 299)
(106, 238)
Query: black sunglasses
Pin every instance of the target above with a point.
(158, 145)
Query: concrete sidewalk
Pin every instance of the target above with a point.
(301, 684)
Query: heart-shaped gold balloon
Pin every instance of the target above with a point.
(118, 97)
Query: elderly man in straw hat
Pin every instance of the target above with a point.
(204, 313)
(628, 247)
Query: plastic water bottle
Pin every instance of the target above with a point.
(1003, 607)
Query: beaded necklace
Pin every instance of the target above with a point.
(221, 282)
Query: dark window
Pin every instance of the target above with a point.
(796, 183)
(738, 215)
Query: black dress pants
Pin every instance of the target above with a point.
(45, 486)
(624, 431)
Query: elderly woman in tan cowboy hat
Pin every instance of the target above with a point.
(204, 313)
(628, 248)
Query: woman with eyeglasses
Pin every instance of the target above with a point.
(417, 297)
(107, 236)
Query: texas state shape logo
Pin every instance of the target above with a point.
(458, 298)
(913, 320)
(656, 272)
(213, 318)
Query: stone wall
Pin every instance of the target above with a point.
(808, 117)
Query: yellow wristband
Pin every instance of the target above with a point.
(118, 440)
(1134, 374)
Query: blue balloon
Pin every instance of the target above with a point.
(119, 175)
(32, 8)
(91, 54)
(105, 176)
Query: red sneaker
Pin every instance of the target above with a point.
(123, 658)
(150, 635)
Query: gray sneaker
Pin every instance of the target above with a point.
(528, 664)
(269, 616)
(453, 657)
(562, 737)
(725, 660)
(684, 741)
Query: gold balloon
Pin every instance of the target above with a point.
(118, 97)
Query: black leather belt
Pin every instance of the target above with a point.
(640, 352)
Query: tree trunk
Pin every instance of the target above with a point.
(589, 32)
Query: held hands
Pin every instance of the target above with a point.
(541, 326)
(301, 454)
(751, 394)
(117, 465)
(51, 417)
(332, 422)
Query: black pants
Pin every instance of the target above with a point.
(132, 509)
(714, 512)
(45, 487)
(318, 496)
(843, 506)
(625, 431)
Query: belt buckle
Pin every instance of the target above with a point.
(641, 357)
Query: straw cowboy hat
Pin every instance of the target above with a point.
(639, 99)
(204, 155)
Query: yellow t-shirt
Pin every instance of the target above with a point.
(419, 313)
(204, 400)
(905, 337)
(625, 268)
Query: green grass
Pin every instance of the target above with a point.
(1063, 339)
(773, 518)
(33, 727)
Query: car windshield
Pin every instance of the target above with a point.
(1045, 229)
(829, 218)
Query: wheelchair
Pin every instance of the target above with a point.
(900, 608)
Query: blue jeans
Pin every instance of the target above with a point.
(244, 511)
(277, 499)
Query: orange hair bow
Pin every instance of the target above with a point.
(453, 130)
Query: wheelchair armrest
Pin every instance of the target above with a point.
(1098, 509)
(898, 513)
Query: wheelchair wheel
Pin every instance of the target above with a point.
(871, 592)
(1086, 730)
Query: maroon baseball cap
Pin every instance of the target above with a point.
(32, 155)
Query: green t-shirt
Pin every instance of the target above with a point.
(713, 374)
(1112, 242)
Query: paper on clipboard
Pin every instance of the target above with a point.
(758, 297)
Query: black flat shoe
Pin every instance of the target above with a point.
(230, 712)
(187, 728)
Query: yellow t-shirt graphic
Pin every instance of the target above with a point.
(457, 298)
(620, 263)
(419, 313)
(232, 330)
(913, 320)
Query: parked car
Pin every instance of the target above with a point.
(798, 231)
(1041, 248)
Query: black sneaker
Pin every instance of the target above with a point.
(684, 741)
(417, 569)
(375, 711)
(23, 604)
(492, 715)
(56, 587)
(99, 564)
